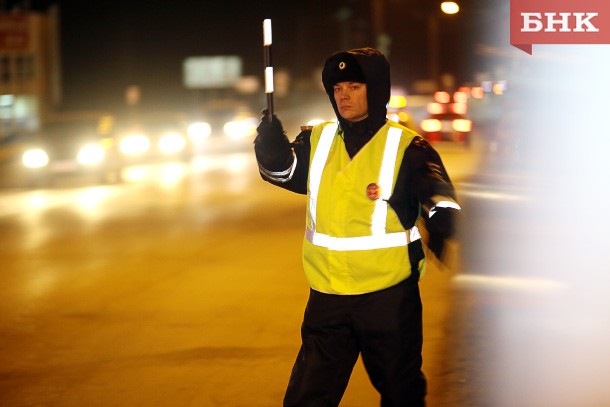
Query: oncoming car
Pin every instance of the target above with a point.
(76, 144)
(154, 137)
(447, 119)
(224, 125)
(398, 112)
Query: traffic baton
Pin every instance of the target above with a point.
(268, 67)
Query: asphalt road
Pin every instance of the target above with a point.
(181, 287)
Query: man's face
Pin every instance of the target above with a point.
(351, 100)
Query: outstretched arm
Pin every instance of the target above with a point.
(280, 162)
(436, 194)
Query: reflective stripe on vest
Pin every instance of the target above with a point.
(363, 242)
(386, 177)
(317, 166)
(379, 238)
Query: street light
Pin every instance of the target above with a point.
(450, 7)
(447, 7)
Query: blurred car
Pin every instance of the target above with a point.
(447, 120)
(446, 127)
(75, 144)
(398, 112)
(154, 137)
(12, 172)
(224, 125)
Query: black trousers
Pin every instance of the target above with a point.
(384, 326)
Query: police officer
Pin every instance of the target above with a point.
(368, 181)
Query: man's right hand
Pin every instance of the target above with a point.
(270, 131)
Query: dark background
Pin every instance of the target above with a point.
(109, 45)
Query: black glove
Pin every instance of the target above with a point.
(442, 223)
(441, 226)
(270, 131)
(436, 244)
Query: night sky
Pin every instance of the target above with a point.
(109, 45)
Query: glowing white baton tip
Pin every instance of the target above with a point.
(269, 79)
(267, 32)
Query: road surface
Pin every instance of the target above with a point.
(181, 287)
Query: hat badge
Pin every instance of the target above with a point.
(342, 65)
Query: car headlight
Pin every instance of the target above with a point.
(313, 122)
(393, 117)
(171, 143)
(91, 154)
(241, 128)
(35, 158)
(134, 144)
(199, 131)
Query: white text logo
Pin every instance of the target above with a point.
(558, 22)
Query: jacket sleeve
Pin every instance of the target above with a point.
(432, 188)
(283, 163)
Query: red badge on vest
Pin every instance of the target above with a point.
(373, 191)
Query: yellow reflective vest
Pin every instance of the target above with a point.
(354, 242)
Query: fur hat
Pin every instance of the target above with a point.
(342, 67)
(362, 65)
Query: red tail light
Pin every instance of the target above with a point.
(462, 125)
(459, 108)
(431, 125)
(436, 108)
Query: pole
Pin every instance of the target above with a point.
(434, 48)
(268, 67)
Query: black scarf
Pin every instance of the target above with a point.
(356, 135)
